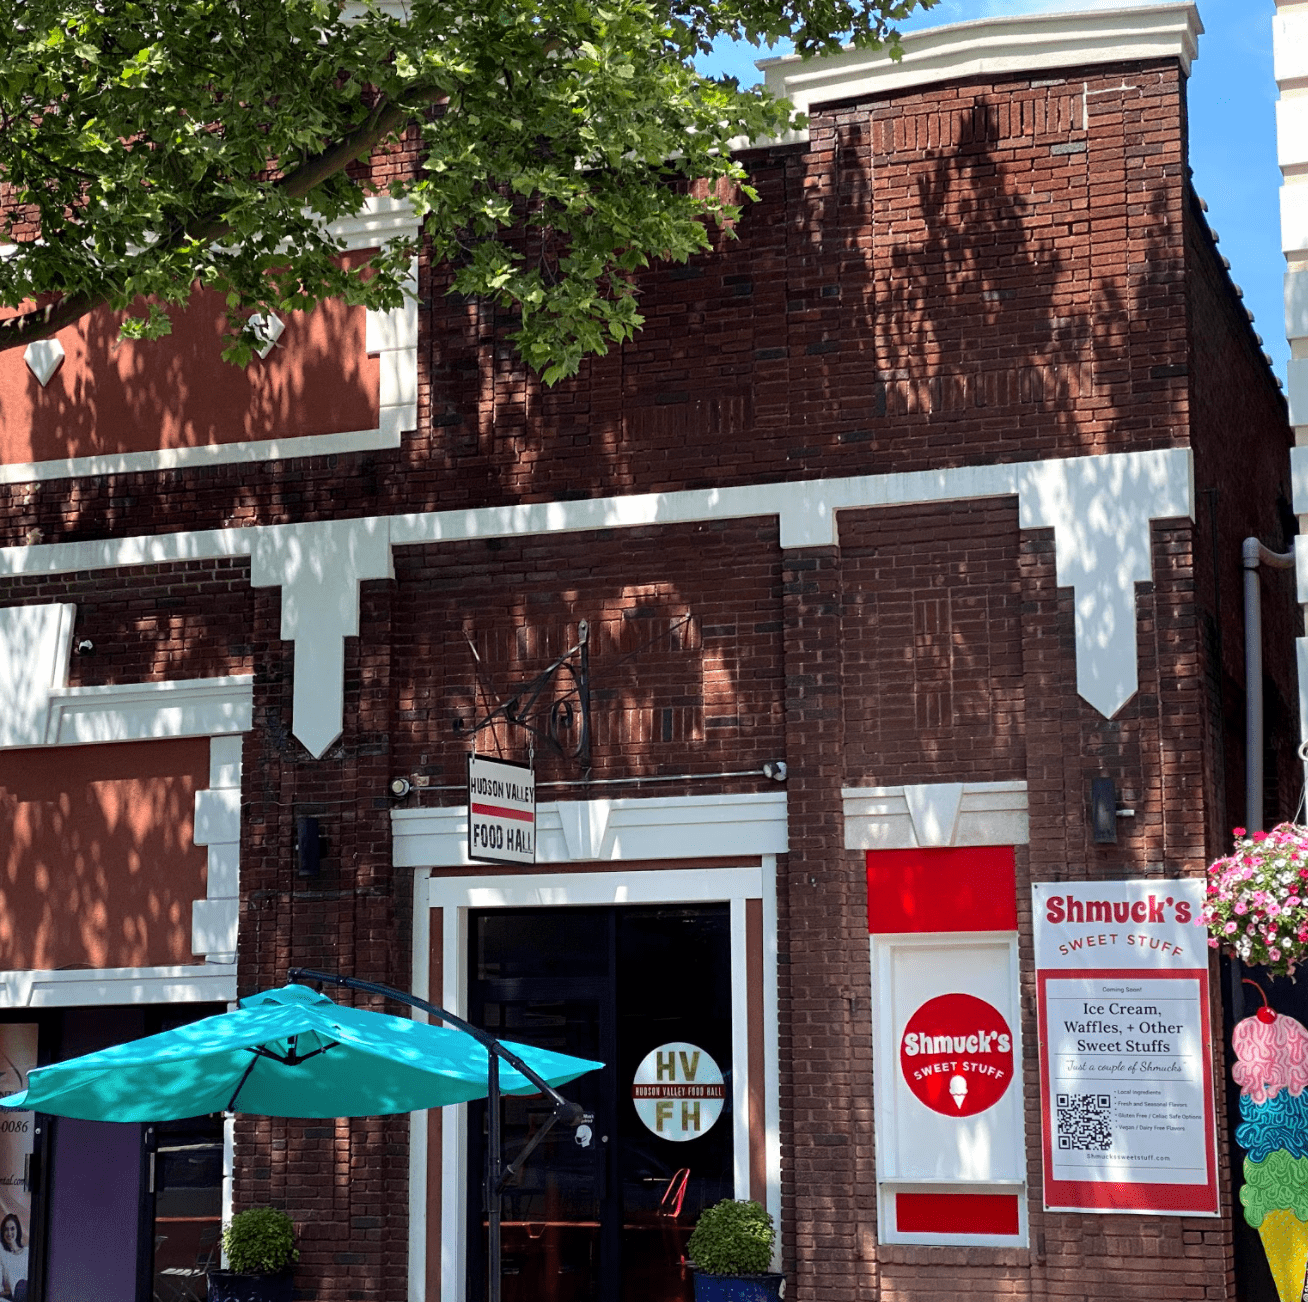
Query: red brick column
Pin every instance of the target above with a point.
(829, 1203)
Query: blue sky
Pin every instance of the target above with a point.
(1232, 96)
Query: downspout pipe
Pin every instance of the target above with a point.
(1255, 554)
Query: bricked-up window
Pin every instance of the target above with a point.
(942, 927)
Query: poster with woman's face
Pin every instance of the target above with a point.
(17, 1058)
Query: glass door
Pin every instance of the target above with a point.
(602, 1214)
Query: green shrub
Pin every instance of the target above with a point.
(260, 1241)
(732, 1238)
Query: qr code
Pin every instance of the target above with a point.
(1083, 1122)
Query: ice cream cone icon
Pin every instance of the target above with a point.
(1271, 1069)
(1285, 1240)
(957, 1090)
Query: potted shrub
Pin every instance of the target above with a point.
(260, 1247)
(731, 1250)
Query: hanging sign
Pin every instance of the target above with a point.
(17, 1144)
(1126, 1062)
(678, 1091)
(956, 1055)
(501, 811)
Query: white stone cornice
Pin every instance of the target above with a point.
(936, 815)
(989, 47)
(578, 831)
(184, 984)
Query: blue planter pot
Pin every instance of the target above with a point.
(227, 1286)
(738, 1288)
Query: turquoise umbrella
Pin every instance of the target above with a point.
(286, 1053)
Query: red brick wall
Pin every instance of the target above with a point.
(992, 271)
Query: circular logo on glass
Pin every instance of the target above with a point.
(678, 1091)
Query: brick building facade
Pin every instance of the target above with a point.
(931, 486)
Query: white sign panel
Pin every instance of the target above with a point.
(501, 811)
(1125, 1047)
(678, 1091)
(949, 1096)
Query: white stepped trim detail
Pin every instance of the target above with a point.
(1100, 509)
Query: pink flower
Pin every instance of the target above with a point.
(1230, 928)
(1212, 942)
(1241, 907)
(1274, 954)
(1260, 836)
(1237, 831)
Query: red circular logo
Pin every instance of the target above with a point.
(957, 1055)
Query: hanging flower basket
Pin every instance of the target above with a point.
(1257, 904)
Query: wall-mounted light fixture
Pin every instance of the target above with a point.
(1103, 810)
(307, 847)
(400, 787)
(776, 770)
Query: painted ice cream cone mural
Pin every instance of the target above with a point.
(1272, 1070)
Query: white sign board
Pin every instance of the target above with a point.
(949, 1106)
(1125, 1047)
(678, 1091)
(501, 811)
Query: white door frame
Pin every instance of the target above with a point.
(758, 830)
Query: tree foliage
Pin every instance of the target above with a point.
(147, 146)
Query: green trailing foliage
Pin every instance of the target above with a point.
(148, 146)
(732, 1238)
(260, 1241)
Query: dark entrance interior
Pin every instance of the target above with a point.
(604, 1221)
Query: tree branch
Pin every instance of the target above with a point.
(385, 119)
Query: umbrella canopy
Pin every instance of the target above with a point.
(284, 1053)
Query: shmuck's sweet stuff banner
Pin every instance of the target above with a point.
(1126, 1066)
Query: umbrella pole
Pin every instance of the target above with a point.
(496, 1172)
(494, 1190)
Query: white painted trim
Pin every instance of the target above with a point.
(1290, 45)
(1100, 509)
(936, 814)
(319, 568)
(586, 831)
(418, 1128)
(199, 983)
(35, 643)
(215, 920)
(456, 895)
(454, 1120)
(181, 707)
(391, 336)
(1020, 45)
(739, 1049)
(772, 1055)
(387, 435)
(546, 890)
